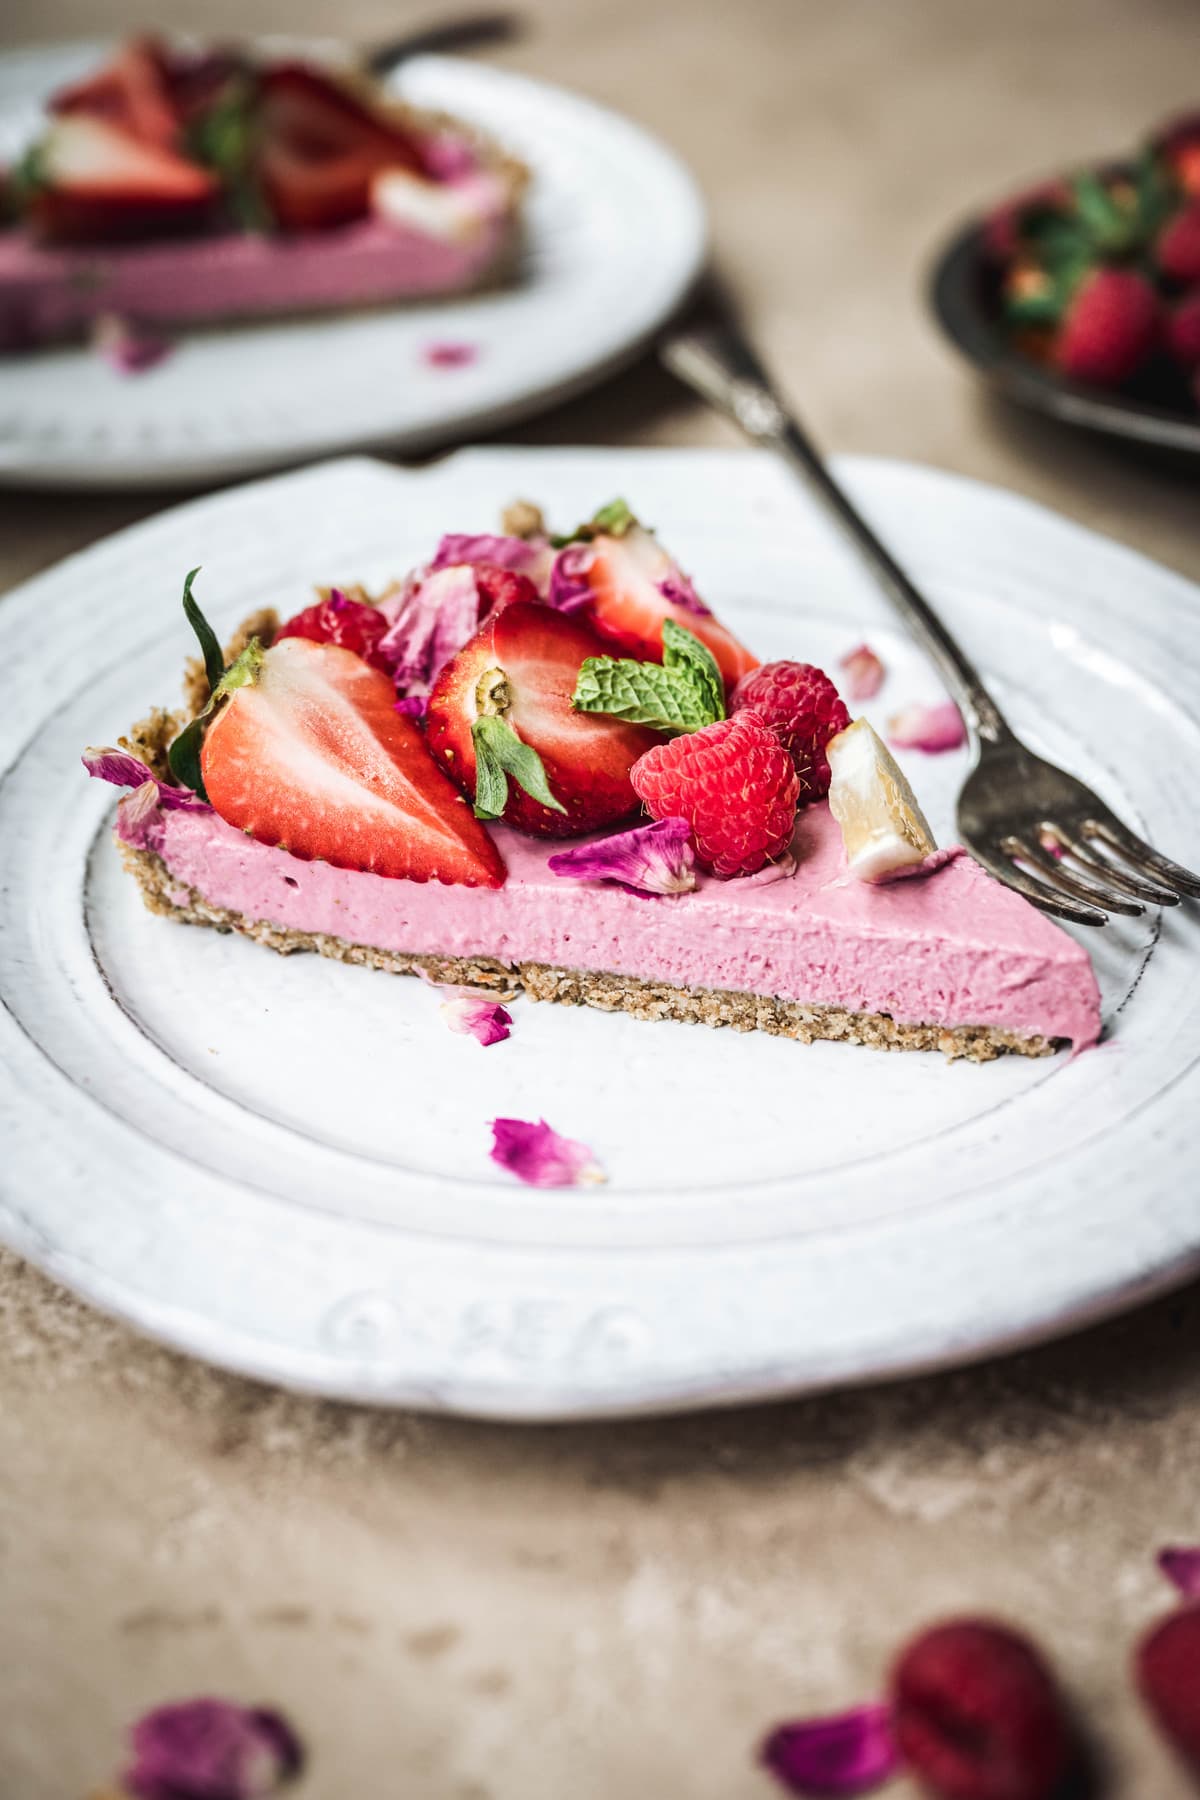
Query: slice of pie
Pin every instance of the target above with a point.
(175, 188)
(446, 780)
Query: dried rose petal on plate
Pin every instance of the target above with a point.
(849, 1753)
(538, 1156)
(477, 1016)
(862, 673)
(1181, 1566)
(209, 1749)
(929, 728)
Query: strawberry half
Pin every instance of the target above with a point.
(132, 92)
(312, 756)
(321, 148)
(631, 585)
(521, 667)
(96, 183)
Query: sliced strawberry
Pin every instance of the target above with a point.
(321, 147)
(634, 585)
(98, 184)
(313, 757)
(523, 665)
(131, 92)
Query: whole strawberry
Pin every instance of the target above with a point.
(977, 1715)
(802, 707)
(1177, 145)
(1167, 1664)
(734, 784)
(1110, 329)
(1178, 249)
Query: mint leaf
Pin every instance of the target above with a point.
(499, 752)
(683, 651)
(210, 649)
(643, 693)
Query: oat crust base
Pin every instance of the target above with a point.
(164, 893)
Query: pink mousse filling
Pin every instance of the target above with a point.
(951, 948)
(49, 294)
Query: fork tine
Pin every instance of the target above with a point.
(1066, 881)
(1005, 870)
(1114, 873)
(1148, 861)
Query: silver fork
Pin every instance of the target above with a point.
(1035, 827)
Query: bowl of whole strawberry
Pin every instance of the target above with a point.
(1080, 296)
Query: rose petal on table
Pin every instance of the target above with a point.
(862, 673)
(537, 1155)
(209, 1749)
(477, 1016)
(447, 355)
(928, 728)
(848, 1753)
(1181, 1566)
(128, 348)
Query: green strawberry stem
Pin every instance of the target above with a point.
(499, 753)
(183, 756)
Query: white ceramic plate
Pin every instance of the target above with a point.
(281, 1164)
(616, 235)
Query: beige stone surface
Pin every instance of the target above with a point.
(454, 1611)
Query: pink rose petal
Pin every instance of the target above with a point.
(537, 1155)
(128, 348)
(211, 1750)
(569, 590)
(124, 770)
(431, 619)
(862, 673)
(677, 588)
(1181, 1566)
(531, 557)
(477, 1016)
(412, 706)
(648, 860)
(929, 728)
(447, 355)
(850, 1753)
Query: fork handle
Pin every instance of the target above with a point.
(721, 367)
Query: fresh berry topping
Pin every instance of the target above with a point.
(1183, 331)
(513, 684)
(977, 1715)
(1110, 329)
(321, 147)
(735, 785)
(132, 92)
(628, 585)
(1178, 250)
(351, 624)
(1168, 1675)
(311, 755)
(501, 587)
(801, 705)
(96, 183)
(1178, 146)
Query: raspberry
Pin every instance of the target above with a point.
(803, 709)
(351, 624)
(1183, 331)
(1168, 1675)
(977, 1715)
(735, 786)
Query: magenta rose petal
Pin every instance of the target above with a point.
(1181, 1566)
(477, 1016)
(678, 589)
(849, 1753)
(862, 673)
(127, 348)
(431, 619)
(648, 860)
(928, 728)
(537, 1155)
(450, 355)
(569, 590)
(210, 1749)
(531, 557)
(123, 770)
